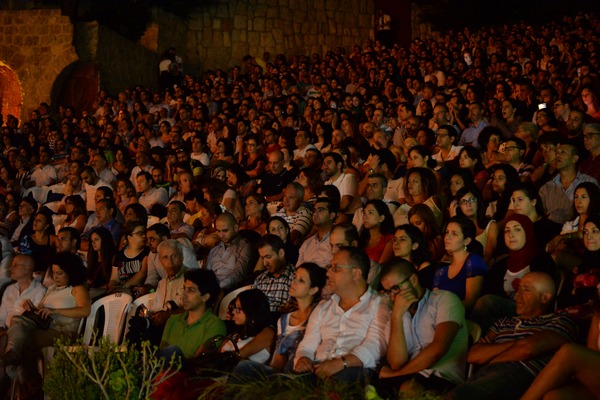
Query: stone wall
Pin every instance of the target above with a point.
(224, 30)
(37, 46)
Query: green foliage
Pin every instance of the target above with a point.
(108, 371)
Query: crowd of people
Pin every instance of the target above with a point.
(377, 200)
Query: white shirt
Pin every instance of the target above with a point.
(12, 300)
(90, 194)
(363, 330)
(44, 176)
(316, 251)
(154, 196)
(346, 184)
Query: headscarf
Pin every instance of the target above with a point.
(520, 259)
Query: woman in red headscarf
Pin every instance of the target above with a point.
(502, 282)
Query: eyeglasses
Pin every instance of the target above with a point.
(464, 202)
(140, 233)
(237, 309)
(590, 135)
(335, 268)
(394, 290)
(442, 135)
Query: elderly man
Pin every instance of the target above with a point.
(346, 335)
(428, 335)
(276, 178)
(155, 235)
(234, 258)
(91, 184)
(24, 289)
(516, 349)
(471, 134)
(168, 296)
(295, 213)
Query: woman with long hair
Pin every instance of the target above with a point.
(76, 213)
(420, 188)
(526, 201)
(311, 180)
(567, 247)
(125, 193)
(257, 214)
(591, 102)
(100, 260)
(279, 226)
(131, 263)
(458, 180)
(421, 217)
(409, 244)
(469, 158)
(471, 206)
(252, 159)
(322, 131)
(305, 290)
(254, 335)
(464, 275)
(377, 233)
(41, 243)
(504, 177)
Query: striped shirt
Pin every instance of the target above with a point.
(515, 328)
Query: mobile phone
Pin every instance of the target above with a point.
(541, 106)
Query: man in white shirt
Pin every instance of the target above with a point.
(149, 194)
(44, 174)
(24, 289)
(91, 185)
(346, 335)
(333, 167)
(100, 165)
(446, 137)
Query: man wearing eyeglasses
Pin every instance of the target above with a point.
(591, 140)
(445, 138)
(346, 335)
(428, 340)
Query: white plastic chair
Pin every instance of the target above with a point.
(145, 300)
(115, 306)
(224, 304)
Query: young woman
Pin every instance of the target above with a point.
(459, 179)
(206, 236)
(378, 227)
(76, 213)
(252, 160)
(420, 188)
(567, 247)
(256, 214)
(100, 260)
(504, 177)
(409, 244)
(254, 335)
(489, 140)
(126, 194)
(464, 275)
(41, 243)
(311, 180)
(278, 226)
(421, 217)
(526, 201)
(306, 292)
(469, 158)
(471, 206)
(131, 263)
(120, 165)
(322, 131)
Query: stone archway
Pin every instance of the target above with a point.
(11, 94)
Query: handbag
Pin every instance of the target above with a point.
(42, 323)
(215, 363)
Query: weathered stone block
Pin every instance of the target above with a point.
(240, 22)
(272, 12)
(226, 39)
(278, 36)
(227, 24)
(216, 23)
(259, 24)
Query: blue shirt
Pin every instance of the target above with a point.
(474, 266)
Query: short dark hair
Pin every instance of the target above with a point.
(274, 241)
(350, 231)
(161, 230)
(358, 258)
(73, 234)
(207, 282)
(332, 206)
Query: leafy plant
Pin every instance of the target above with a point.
(108, 371)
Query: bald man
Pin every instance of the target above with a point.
(24, 289)
(234, 258)
(516, 349)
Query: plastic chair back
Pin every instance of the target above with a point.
(115, 306)
(228, 299)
